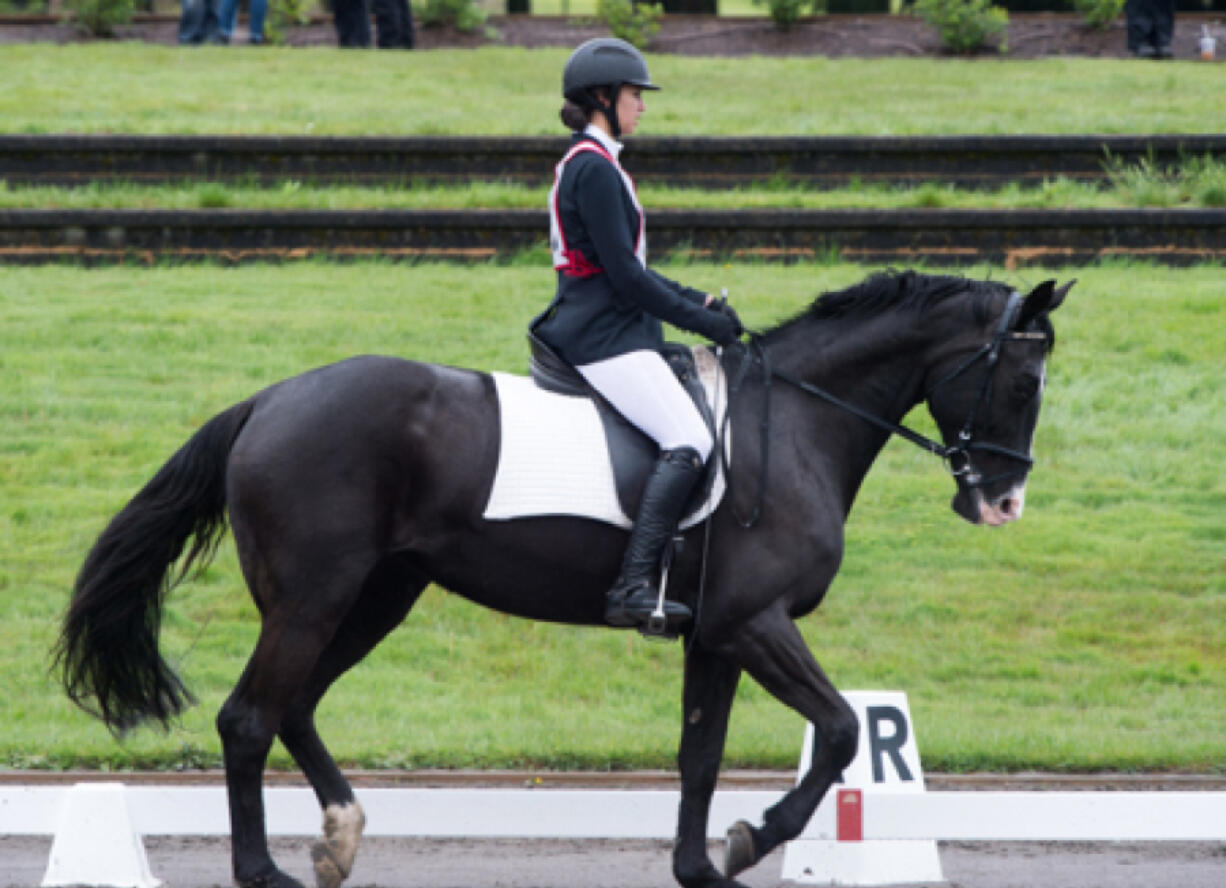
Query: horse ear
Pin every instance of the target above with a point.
(1044, 298)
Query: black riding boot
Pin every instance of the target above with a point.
(633, 597)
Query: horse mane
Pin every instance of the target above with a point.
(900, 291)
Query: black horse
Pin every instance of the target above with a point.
(351, 487)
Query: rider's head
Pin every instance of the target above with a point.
(593, 79)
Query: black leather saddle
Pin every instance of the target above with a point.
(632, 453)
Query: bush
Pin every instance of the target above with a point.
(98, 18)
(636, 23)
(464, 15)
(785, 13)
(966, 26)
(283, 15)
(1099, 13)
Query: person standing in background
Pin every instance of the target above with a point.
(197, 21)
(228, 18)
(393, 22)
(1151, 25)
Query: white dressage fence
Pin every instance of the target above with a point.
(1078, 816)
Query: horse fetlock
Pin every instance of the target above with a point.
(333, 855)
(739, 850)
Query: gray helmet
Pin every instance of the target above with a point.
(604, 61)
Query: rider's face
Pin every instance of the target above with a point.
(630, 108)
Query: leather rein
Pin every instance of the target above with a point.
(957, 457)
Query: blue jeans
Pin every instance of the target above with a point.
(229, 17)
(197, 21)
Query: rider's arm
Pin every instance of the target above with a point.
(600, 207)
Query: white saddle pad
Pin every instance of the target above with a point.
(554, 459)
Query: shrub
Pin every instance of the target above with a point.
(636, 23)
(463, 15)
(785, 13)
(98, 18)
(966, 26)
(283, 15)
(1099, 13)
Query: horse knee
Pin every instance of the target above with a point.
(842, 739)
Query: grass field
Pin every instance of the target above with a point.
(98, 87)
(1198, 182)
(1091, 635)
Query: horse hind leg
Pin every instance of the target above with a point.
(297, 629)
(387, 596)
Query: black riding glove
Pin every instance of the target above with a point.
(721, 305)
(719, 327)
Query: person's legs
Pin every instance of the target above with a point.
(1140, 28)
(352, 21)
(226, 17)
(643, 388)
(1164, 27)
(393, 24)
(191, 21)
(255, 24)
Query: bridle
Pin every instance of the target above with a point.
(957, 457)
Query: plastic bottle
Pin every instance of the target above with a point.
(1207, 44)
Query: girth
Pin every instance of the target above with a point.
(631, 452)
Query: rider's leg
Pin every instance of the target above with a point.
(644, 389)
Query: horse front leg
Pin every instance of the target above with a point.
(772, 650)
(710, 684)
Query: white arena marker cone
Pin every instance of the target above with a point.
(887, 760)
(95, 843)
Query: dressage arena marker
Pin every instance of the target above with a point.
(887, 760)
(95, 843)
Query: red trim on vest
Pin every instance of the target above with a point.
(577, 265)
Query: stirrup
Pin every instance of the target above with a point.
(638, 606)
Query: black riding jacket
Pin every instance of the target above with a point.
(608, 302)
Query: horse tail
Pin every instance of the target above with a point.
(108, 645)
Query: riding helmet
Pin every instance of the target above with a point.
(603, 61)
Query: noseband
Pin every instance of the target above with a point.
(957, 457)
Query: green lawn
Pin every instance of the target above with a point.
(1092, 635)
(136, 88)
(1197, 183)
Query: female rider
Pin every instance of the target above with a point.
(605, 318)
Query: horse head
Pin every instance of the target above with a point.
(984, 395)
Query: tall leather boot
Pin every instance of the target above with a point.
(633, 597)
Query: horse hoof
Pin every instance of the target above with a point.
(327, 871)
(738, 851)
(334, 853)
(274, 879)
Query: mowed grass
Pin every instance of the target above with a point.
(1198, 182)
(1091, 635)
(136, 88)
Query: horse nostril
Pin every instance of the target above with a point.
(1008, 507)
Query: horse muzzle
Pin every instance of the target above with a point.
(973, 506)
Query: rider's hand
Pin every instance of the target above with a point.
(721, 305)
(720, 328)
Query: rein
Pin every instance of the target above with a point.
(957, 457)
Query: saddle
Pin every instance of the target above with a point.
(632, 453)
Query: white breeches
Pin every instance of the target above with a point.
(644, 389)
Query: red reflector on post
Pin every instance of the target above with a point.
(851, 815)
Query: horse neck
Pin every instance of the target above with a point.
(876, 364)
